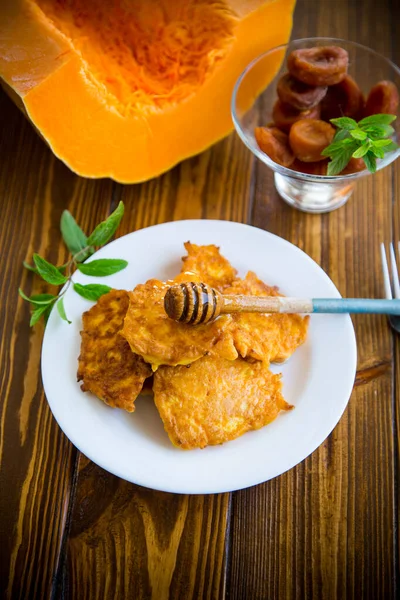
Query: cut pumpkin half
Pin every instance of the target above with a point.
(128, 88)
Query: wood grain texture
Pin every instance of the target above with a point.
(325, 529)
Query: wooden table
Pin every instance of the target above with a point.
(327, 529)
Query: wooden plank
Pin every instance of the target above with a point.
(159, 545)
(326, 528)
(36, 460)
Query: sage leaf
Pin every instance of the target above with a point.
(92, 291)
(30, 268)
(105, 230)
(73, 236)
(102, 267)
(61, 310)
(48, 272)
(38, 299)
(37, 313)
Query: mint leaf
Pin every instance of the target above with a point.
(61, 310)
(104, 232)
(361, 151)
(357, 134)
(378, 152)
(379, 131)
(37, 313)
(38, 299)
(337, 165)
(345, 123)
(73, 236)
(340, 135)
(390, 147)
(370, 161)
(377, 120)
(92, 291)
(48, 272)
(381, 143)
(103, 267)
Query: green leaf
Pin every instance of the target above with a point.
(381, 119)
(345, 123)
(48, 272)
(103, 267)
(30, 268)
(381, 143)
(92, 291)
(61, 310)
(47, 312)
(37, 313)
(73, 236)
(340, 135)
(379, 131)
(357, 134)
(104, 232)
(391, 147)
(361, 151)
(378, 152)
(38, 299)
(370, 162)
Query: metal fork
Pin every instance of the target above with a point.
(392, 284)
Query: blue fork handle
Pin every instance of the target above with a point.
(355, 305)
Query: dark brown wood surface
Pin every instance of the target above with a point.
(328, 528)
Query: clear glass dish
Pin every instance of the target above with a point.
(309, 193)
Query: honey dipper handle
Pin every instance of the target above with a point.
(263, 304)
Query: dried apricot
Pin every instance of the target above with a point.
(344, 99)
(354, 166)
(383, 98)
(284, 115)
(299, 94)
(309, 137)
(324, 65)
(311, 168)
(275, 144)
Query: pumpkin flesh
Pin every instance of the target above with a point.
(126, 89)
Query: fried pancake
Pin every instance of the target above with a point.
(216, 400)
(107, 366)
(209, 265)
(267, 337)
(162, 341)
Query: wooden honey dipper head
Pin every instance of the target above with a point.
(193, 303)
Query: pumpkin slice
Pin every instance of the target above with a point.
(128, 88)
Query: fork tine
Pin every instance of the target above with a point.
(395, 273)
(385, 271)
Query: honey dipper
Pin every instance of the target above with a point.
(198, 303)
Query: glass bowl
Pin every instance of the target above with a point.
(309, 193)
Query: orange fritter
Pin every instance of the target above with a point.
(216, 400)
(162, 341)
(268, 337)
(209, 265)
(107, 366)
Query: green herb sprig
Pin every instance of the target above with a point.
(81, 247)
(368, 139)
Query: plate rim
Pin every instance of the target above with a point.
(352, 349)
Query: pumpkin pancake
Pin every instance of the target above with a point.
(269, 337)
(107, 366)
(216, 400)
(210, 266)
(162, 341)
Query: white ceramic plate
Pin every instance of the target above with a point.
(318, 379)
